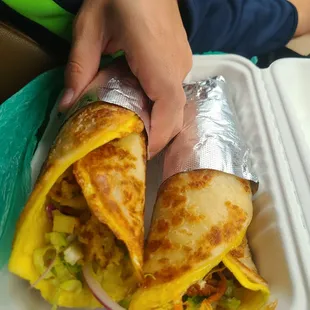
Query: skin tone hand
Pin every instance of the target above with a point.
(303, 8)
(152, 36)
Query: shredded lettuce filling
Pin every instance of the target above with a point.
(193, 303)
(230, 303)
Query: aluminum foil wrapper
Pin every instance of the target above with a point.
(210, 138)
(116, 85)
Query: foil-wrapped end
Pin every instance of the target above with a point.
(210, 138)
(116, 85)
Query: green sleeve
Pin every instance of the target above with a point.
(45, 13)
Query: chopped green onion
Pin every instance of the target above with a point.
(62, 273)
(71, 286)
(58, 240)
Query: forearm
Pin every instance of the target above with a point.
(303, 8)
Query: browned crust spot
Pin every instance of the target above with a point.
(172, 198)
(215, 236)
(245, 184)
(162, 226)
(163, 260)
(189, 215)
(153, 245)
(176, 220)
(166, 274)
(239, 251)
(201, 178)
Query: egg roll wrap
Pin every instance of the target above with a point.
(199, 217)
(87, 207)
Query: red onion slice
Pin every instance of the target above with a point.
(42, 277)
(98, 291)
(49, 211)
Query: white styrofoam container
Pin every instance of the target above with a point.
(273, 107)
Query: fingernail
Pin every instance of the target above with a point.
(66, 99)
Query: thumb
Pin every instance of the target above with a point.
(84, 59)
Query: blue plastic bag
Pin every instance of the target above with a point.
(20, 119)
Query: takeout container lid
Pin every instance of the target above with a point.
(273, 109)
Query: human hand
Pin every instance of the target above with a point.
(303, 9)
(152, 36)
